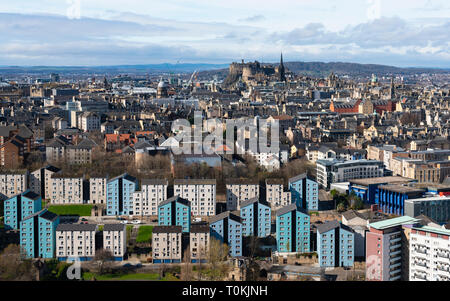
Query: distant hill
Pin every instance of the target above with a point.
(353, 69)
(139, 69)
(221, 70)
(321, 69)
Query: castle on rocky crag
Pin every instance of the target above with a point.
(255, 72)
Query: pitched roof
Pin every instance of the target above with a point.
(298, 178)
(224, 215)
(167, 229)
(154, 182)
(254, 200)
(76, 227)
(175, 199)
(332, 225)
(114, 227)
(31, 195)
(194, 182)
(289, 208)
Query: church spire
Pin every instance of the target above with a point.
(281, 70)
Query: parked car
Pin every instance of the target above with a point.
(84, 220)
(136, 222)
(124, 222)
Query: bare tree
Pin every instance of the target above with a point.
(102, 261)
(13, 265)
(218, 254)
(186, 267)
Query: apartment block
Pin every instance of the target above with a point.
(387, 249)
(293, 230)
(201, 194)
(175, 211)
(331, 171)
(13, 183)
(335, 245)
(304, 192)
(199, 238)
(240, 190)
(119, 195)
(167, 244)
(38, 234)
(152, 193)
(275, 194)
(19, 207)
(67, 189)
(436, 208)
(256, 217)
(97, 190)
(75, 241)
(115, 240)
(429, 252)
(89, 122)
(227, 228)
(41, 180)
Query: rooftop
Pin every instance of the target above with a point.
(401, 189)
(398, 221)
(380, 180)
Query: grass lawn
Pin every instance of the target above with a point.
(144, 234)
(143, 276)
(80, 210)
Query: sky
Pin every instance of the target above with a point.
(404, 33)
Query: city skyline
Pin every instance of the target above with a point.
(95, 33)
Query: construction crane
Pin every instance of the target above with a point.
(193, 76)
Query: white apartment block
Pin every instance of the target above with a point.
(12, 184)
(331, 171)
(89, 122)
(40, 181)
(97, 190)
(199, 238)
(275, 194)
(166, 244)
(429, 254)
(115, 240)
(240, 190)
(66, 190)
(152, 193)
(75, 240)
(201, 194)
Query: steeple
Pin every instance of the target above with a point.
(392, 88)
(281, 70)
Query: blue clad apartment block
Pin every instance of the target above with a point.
(305, 192)
(255, 215)
(19, 207)
(119, 195)
(335, 245)
(175, 211)
(227, 228)
(38, 234)
(293, 229)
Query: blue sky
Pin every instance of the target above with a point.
(112, 32)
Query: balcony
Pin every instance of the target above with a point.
(394, 259)
(396, 253)
(420, 276)
(395, 278)
(395, 272)
(393, 247)
(421, 264)
(396, 265)
(396, 240)
(443, 254)
(421, 250)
